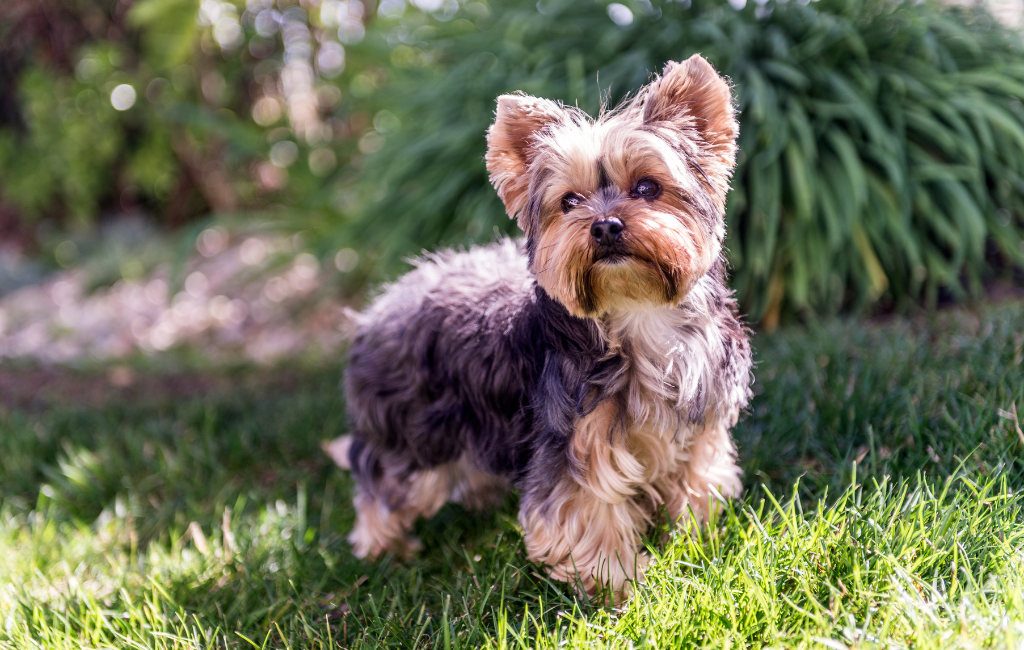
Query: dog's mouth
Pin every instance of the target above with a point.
(611, 255)
(611, 258)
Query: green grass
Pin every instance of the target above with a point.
(883, 509)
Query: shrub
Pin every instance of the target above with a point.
(204, 109)
(882, 142)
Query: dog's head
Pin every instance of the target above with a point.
(628, 209)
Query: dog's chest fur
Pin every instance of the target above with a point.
(669, 393)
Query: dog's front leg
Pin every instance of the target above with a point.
(708, 476)
(580, 511)
(584, 541)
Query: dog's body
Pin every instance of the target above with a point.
(597, 367)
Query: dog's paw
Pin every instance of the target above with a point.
(337, 449)
(368, 546)
(631, 580)
(409, 547)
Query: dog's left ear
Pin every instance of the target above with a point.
(691, 97)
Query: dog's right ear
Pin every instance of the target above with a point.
(511, 145)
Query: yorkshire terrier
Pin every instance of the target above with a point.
(596, 367)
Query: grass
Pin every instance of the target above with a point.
(883, 509)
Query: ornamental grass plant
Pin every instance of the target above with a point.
(882, 162)
(882, 142)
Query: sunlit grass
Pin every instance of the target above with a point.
(882, 510)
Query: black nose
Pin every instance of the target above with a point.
(606, 231)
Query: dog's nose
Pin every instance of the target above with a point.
(606, 231)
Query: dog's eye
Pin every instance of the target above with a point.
(646, 188)
(570, 201)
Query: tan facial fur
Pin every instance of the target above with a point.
(679, 131)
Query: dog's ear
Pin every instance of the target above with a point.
(511, 144)
(691, 97)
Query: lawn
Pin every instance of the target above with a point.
(191, 507)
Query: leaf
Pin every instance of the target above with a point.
(878, 280)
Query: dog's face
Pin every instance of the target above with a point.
(628, 209)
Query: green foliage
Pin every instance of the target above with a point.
(72, 139)
(168, 29)
(186, 146)
(97, 504)
(882, 143)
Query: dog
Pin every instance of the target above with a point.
(597, 366)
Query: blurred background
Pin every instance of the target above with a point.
(231, 175)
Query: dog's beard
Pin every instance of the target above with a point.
(625, 281)
(656, 263)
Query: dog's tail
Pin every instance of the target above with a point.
(337, 449)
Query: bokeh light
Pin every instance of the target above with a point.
(123, 97)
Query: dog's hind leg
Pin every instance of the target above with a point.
(383, 522)
(474, 488)
(386, 512)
